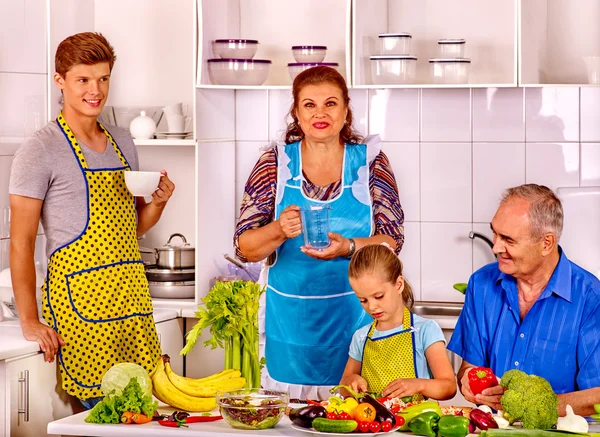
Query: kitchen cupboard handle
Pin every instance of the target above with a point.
(25, 409)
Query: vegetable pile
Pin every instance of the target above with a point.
(528, 399)
(132, 399)
(231, 311)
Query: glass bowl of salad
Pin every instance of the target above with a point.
(253, 408)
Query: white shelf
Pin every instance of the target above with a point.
(147, 143)
(488, 26)
(554, 37)
(244, 87)
(429, 85)
(277, 25)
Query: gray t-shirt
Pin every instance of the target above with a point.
(45, 167)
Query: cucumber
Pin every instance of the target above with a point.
(329, 425)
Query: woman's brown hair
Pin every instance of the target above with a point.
(317, 76)
(377, 258)
(86, 48)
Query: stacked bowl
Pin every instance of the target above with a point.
(307, 57)
(395, 64)
(234, 63)
(451, 67)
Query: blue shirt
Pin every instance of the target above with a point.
(428, 332)
(559, 338)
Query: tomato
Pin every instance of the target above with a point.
(374, 426)
(344, 416)
(386, 426)
(399, 420)
(365, 413)
(363, 426)
(395, 408)
(332, 416)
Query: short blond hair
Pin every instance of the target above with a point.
(545, 209)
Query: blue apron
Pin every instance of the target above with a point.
(311, 310)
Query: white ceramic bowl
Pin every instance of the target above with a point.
(395, 43)
(452, 48)
(309, 53)
(142, 183)
(238, 71)
(389, 69)
(295, 68)
(235, 48)
(448, 70)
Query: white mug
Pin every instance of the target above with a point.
(174, 109)
(176, 123)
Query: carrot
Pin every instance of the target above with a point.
(141, 418)
(127, 417)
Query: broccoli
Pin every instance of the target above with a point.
(528, 399)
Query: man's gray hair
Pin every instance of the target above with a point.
(545, 209)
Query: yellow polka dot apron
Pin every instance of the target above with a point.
(388, 358)
(96, 293)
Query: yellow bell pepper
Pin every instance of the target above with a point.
(337, 405)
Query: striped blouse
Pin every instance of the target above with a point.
(258, 204)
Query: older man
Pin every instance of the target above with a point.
(533, 310)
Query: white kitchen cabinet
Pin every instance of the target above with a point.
(170, 337)
(277, 25)
(34, 396)
(488, 26)
(555, 35)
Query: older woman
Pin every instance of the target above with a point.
(311, 311)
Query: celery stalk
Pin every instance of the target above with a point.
(228, 357)
(236, 352)
(247, 365)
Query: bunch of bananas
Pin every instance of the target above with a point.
(191, 394)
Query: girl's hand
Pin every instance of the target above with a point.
(289, 221)
(339, 247)
(356, 383)
(402, 387)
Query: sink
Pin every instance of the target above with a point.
(433, 309)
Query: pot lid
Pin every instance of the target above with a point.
(184, 246)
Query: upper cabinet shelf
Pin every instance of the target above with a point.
(487, 26)
(277, 25)
(555, 37)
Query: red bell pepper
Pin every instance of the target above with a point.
(481, 378)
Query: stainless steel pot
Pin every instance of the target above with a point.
(174, 257)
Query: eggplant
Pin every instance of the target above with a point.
(304, 416)
(382, 413)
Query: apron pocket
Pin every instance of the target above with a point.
(110, 292)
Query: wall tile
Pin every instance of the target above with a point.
(23, 105)
(214, 115)
(482, 253)
(23, 36)
(4, 245)
(496, 167)
(551, 114)
(590, 114)
(404, 159)
(411, 256)
(498, 114)
(446, 182)
(590, 164)
(246, 155)
(552, 164)
(446, 115)
(251, 115)
(279, 106)
(394, 114)
(39, 255)
(5, 164)
(446, 258)
(359, 102)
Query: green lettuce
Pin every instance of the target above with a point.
(132, 398)
(119, 375)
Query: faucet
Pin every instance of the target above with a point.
(473, 235)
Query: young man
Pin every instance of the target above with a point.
(70, 174)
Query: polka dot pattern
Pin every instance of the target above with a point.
(387, 359)
(96, 294)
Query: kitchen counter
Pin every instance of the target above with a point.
(14, 345)
(75, 425)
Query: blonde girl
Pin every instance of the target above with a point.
(400, 353)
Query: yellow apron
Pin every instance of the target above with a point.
(389, 358)
(96, 293)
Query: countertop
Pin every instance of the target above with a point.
(14, 345)
(75, 425)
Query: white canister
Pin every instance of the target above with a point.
(142, 127)
(452, 48)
